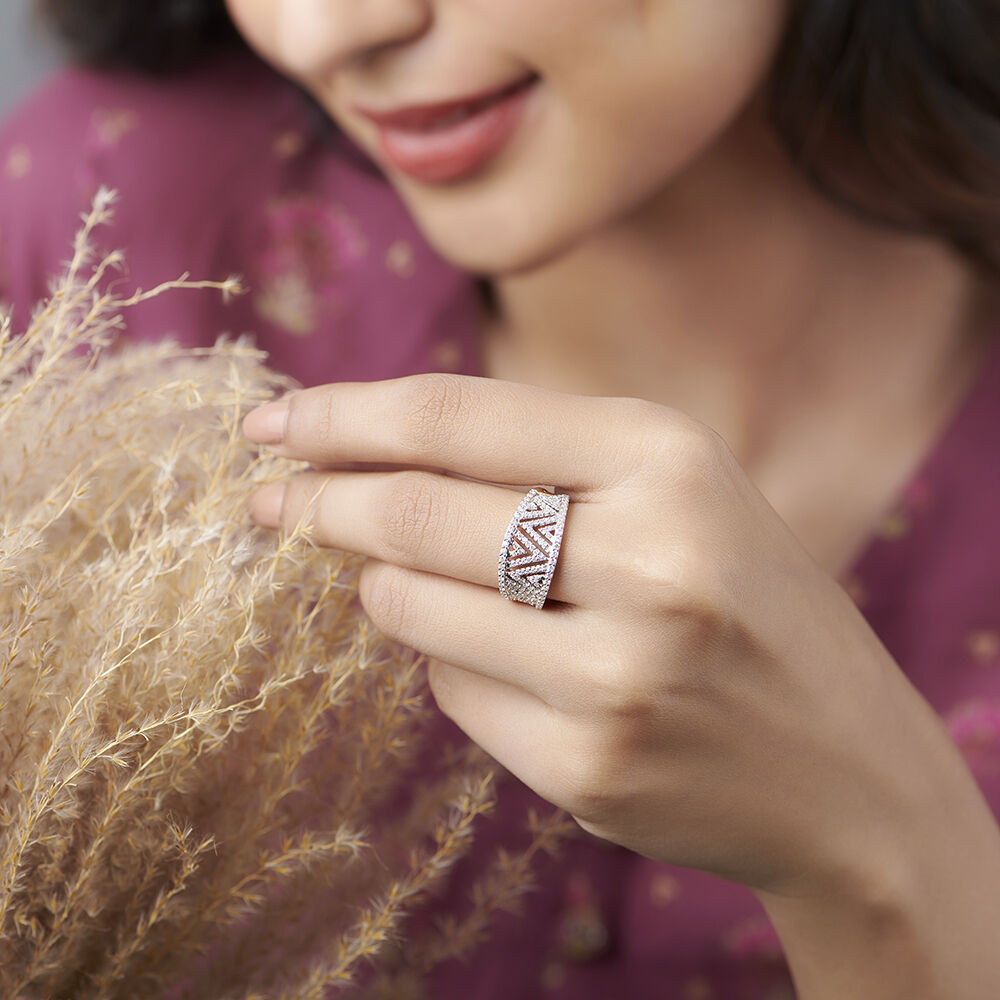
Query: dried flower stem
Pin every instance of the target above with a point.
(201, 733)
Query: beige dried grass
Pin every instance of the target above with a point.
(201, 736)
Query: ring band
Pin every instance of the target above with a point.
(531, 547)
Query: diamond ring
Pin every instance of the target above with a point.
(531, 547)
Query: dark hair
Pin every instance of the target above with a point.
(891, 107)
(152, 36)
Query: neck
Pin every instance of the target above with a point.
(744, 298)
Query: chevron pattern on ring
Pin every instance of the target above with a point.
(531, 544)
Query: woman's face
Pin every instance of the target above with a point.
(614, 99)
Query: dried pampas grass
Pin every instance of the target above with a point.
(207, 754)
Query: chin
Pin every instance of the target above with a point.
(500, 244)
(493, 259)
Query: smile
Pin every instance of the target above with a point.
(449, 140)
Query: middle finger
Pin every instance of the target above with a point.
(419, 520)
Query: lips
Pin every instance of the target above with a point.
(449, 140)
(419, 117)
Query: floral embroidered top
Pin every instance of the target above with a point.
(221, 171)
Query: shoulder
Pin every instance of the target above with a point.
(165, 144)
(147, 132)
(220, 171)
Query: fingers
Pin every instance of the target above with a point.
(437, 524)
(460, 623)
(484, 428)
(511, 725)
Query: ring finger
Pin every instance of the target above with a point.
(476, 629)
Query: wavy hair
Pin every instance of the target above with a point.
(891, 107)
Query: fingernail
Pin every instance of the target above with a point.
(266, 424)
(266, 503)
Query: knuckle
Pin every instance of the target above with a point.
(594, 782)
(617, 694)
(326, 419)
(644, 426)
(691, 611)
(678, 449)
(670, 574)
(413, 505)
(615, 719)
(432, 405)
(652, 579)
(386, 598)
(700, 460)
(669, 448)
(643, 413)
(293, 420)
(685, 591)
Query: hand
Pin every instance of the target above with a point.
(696, 688)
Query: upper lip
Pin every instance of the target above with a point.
(418, 116)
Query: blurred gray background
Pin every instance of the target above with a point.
(27, 55)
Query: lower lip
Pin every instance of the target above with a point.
(436, 156)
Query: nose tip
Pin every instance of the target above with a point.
(318, 35)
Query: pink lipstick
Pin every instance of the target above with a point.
(449, 140)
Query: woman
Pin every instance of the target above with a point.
(740, 302)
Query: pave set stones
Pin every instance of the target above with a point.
(531, 547)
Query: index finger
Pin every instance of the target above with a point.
(501, 432)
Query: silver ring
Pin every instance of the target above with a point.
(531, 547)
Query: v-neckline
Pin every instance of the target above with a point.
(932, 474)
(888, 529)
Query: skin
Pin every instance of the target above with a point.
(612, 234)
(661, 271)
(597, 57)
